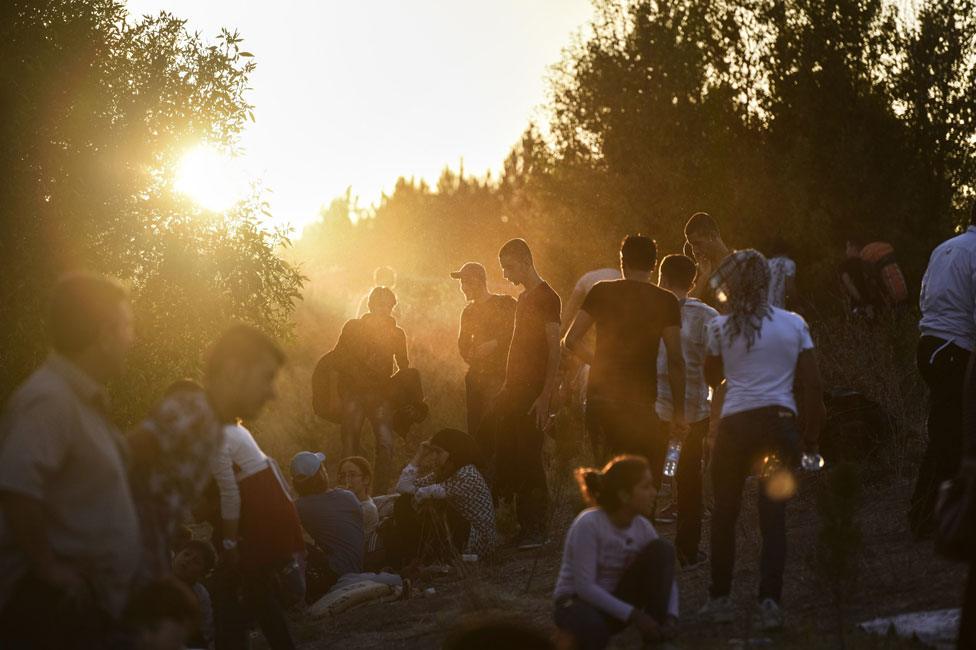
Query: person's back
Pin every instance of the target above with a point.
(630, 317)
(948, 295)
(762, 375)
(695, 317)
(334, 519)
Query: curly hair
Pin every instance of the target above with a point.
(744, 279)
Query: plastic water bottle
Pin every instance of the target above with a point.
(812, 462)
(671, 460)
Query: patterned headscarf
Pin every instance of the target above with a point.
(742, 283)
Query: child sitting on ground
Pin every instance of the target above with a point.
(194, 561)
(615, 569)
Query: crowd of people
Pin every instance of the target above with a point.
(691, 368)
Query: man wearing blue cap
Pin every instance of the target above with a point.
(334, 520)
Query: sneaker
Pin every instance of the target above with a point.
(668, 514)
(768, 615)
(531, 541)
(718, 610)
(688, 562)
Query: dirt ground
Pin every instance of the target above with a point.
(895, 575)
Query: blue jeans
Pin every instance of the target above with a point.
(743, 439)
(646, 584)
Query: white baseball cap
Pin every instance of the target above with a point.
(305, 464)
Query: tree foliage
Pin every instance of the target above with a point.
(97, 109)
(806, 120)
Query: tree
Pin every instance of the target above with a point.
(97, 110)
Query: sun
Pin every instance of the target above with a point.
(212, 179)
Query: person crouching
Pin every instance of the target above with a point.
(615, 569)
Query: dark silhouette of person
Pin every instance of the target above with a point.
(369, 349)
(485, 335)
(521, 412)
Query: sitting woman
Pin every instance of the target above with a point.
(443, 471)
(615, 569)
(356, 475)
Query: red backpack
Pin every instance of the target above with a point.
(883, 271)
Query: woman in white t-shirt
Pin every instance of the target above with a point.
(759, 350)
(615, 569)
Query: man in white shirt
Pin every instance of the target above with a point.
(759, 351)
(948, 334)
(678, 276)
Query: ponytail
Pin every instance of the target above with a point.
(603, 487)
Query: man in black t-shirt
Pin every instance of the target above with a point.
(521, 411)
(483, 340)
(632, 316)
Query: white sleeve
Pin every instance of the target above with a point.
(407, 483)
(806, 341)
(222, 467)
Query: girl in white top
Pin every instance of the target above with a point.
(615, 569)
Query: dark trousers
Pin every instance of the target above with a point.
(240, 597)
(689, 488)
(479, 389)
(416, 534)
(38, 616)
(519, 473)
(943, 368)
(646, 584)
(743, 439)
(629, 428)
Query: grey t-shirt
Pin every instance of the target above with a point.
(58, 446)
(334, 519)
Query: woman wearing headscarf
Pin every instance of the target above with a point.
(759, 351)
(444, 472)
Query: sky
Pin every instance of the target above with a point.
(360, 92)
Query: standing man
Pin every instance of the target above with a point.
(581, 374)
(948, 333)
(632, 316)
(709, 250)
(370, 350)
(522, 413)
(678, 277)
(69, 535)
(485, 335)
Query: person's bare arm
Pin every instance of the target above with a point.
(574, 340)
(714, 370)
(808, 375)
(676, 377)
(542, 404)
(573, 306)
(400, 355)
(851, 288)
